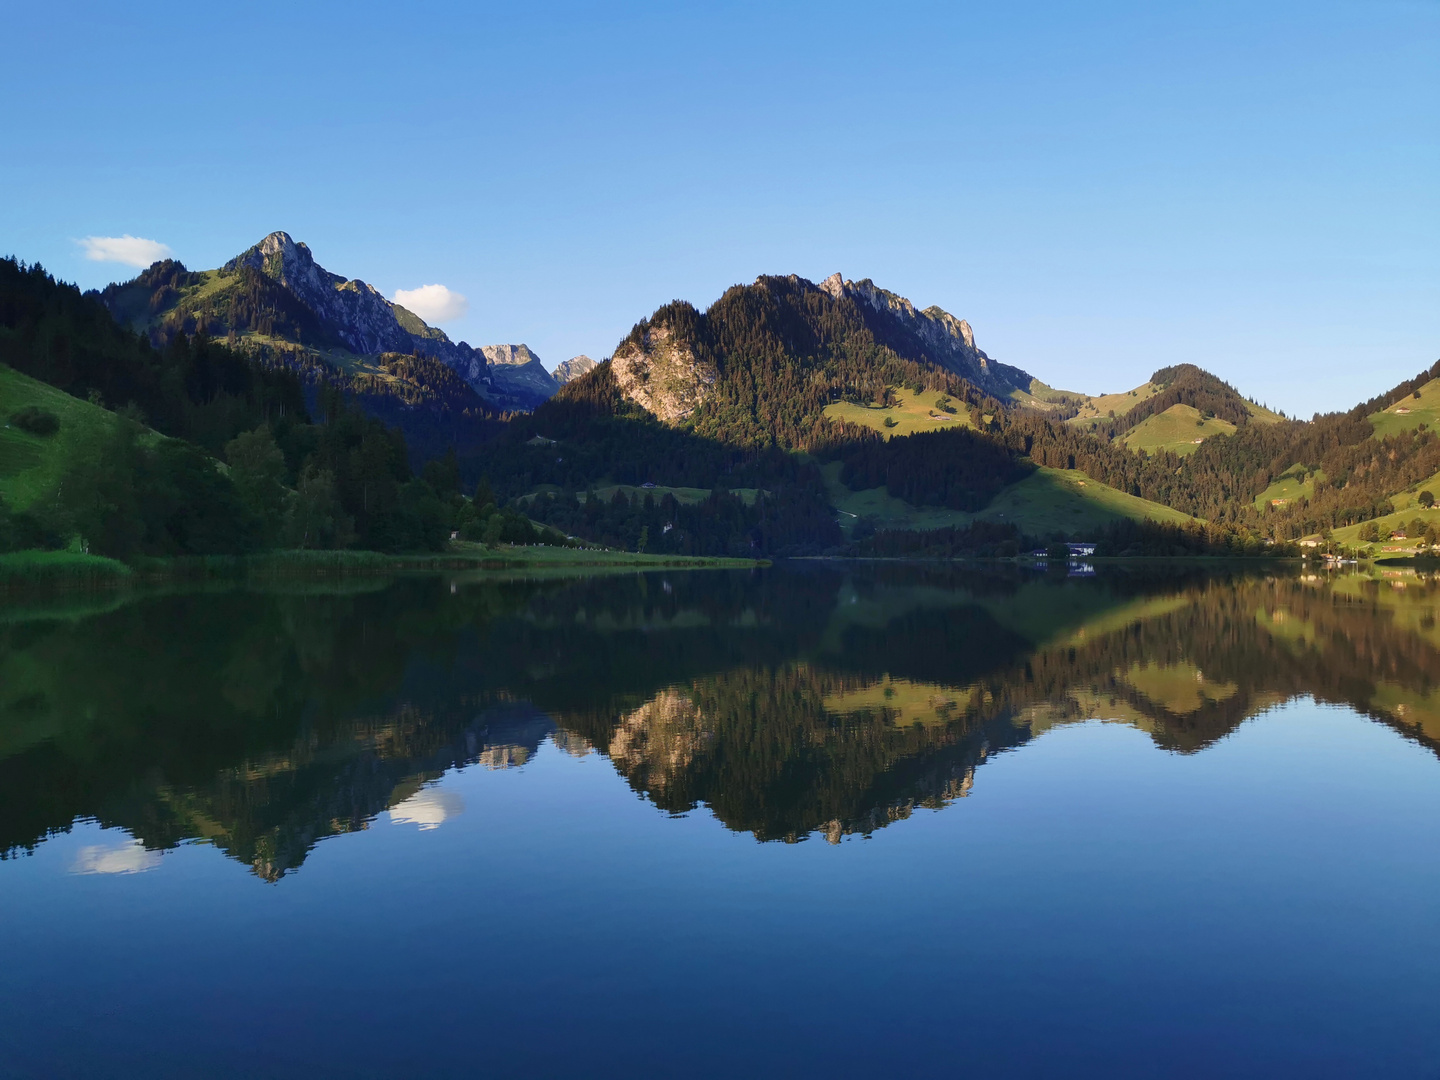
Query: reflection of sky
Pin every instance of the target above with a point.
(428, 808)
(126, 857)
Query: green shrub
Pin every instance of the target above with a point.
(36, 421)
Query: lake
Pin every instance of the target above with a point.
(824, 818)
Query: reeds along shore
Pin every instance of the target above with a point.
(51, 570)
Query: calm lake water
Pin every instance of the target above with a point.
(823, 819)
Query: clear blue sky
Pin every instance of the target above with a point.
(1100, 188)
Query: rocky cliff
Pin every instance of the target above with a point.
(948, 340)
(661, 372)
(573, 368)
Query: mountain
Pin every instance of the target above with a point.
(761, 365)
(517, 372)
(572, 369)
(905, 419)
(934, 332)
(277, 301)
(788, 416)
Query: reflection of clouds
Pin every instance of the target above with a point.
(128, 857)
(428, 808)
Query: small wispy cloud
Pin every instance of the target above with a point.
(127, 249)
(428, 808)
(127, 857)
(433, 303)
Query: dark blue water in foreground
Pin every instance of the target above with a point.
(802, 822)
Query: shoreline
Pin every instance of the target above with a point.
(28, 572)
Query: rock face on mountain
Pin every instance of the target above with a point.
(356, 312)
(573, 368)
(660, 372)
(516, 371)
(949, 340)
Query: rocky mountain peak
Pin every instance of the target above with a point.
(949, 341)
(573, 368)
(509, 354)
(519, 372)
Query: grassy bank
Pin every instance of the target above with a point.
(50, 570)
(47, 569)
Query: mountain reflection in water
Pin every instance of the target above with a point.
(791, 702)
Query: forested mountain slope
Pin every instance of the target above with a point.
(274, 299)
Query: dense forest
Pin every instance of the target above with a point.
(792, 520)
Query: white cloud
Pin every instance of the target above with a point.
(127, 249)
(429, 808)
(129, 857)
(433, 303)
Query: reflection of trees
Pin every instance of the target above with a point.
(770, 751)
(788, 703)
(759, 746)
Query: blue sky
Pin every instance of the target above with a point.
(1100, 189)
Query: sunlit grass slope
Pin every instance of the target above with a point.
(1409, 413)
(1179, 429)
(914, 411)
(1408, 508)
(1288, 487)
(1100, 406)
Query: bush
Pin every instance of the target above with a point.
(36, 421)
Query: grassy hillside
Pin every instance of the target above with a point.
(1407, 509)
(29, 464)
(1046, 501)
(1409, 413)
(1259, 414)
(1044, 397)
(1102, 405)
(913, 411)
(1179, 429)
(1288, 487)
